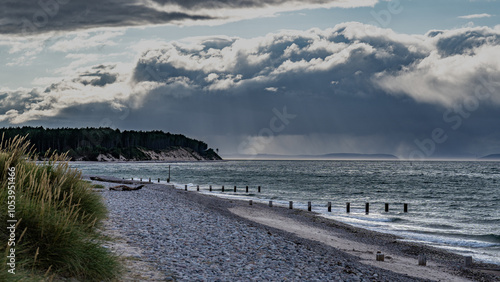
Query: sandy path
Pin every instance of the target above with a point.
(367, 253)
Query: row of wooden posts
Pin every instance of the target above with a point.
(422, 259)
(210, 188)
(290, 205)
(348, 206)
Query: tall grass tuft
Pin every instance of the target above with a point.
(57, 216)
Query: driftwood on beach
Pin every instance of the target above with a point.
(96, 178)
(125, 188)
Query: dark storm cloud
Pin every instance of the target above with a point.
(21, 17)
(27, 17)
(342, 81)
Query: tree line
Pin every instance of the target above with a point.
(88, 143)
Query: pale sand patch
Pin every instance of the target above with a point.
(136, 268)
(396, 262)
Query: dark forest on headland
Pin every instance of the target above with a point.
(88, 143)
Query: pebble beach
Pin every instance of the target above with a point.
(185, 236)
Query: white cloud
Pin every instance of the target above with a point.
(272, 89)
(476, 16)
(86, 40)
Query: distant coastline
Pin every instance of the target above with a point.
(492, 157)
(333, 156)
(178, 154)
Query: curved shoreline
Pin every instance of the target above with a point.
(311, 231)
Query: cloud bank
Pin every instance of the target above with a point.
(362, 88)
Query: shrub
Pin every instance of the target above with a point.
(57, 216)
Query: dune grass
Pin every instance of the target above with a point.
(57, 214)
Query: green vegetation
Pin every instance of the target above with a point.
(57, 214)
(87, 143)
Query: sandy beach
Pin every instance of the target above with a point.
(167, 234)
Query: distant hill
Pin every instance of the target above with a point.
(106, 144)
(491, 157)
(360, 156)
(335, 156)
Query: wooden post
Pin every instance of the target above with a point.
(290, 205)
(132, 179)
(158, 180)
(222, 188)
(198, 188)
(185, 187)
(405, 209)
(271, 204)
(422, 260)
(308, 206)
(234, 189)
(168, 179)
(247, 189)
(250, 202)
(141, 179)
(259, 189)
(348, 207)
(386, 207)
(329, 206)
(367, 208)
(468, 261)
(150, 180)
(210, 188)
(380, 256)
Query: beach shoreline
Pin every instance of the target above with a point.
(356, 245)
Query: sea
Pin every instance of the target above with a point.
(453, 205)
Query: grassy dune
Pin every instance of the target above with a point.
(57, 214)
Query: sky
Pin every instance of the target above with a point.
(418, 79)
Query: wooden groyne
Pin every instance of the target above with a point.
(248, 189)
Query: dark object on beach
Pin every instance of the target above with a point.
(222, 188)
(386, 207)
(250, 202)
(468, 261)
(234, 189)
(422, 260)
(380, 256)
(308, 206)
(348, 207)
(271, 204)
(96, 178)
(247, 189)
(329, 206)
(125, 188)
(367, 208)
(290, 205)
(405, 207)
(259, 189)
